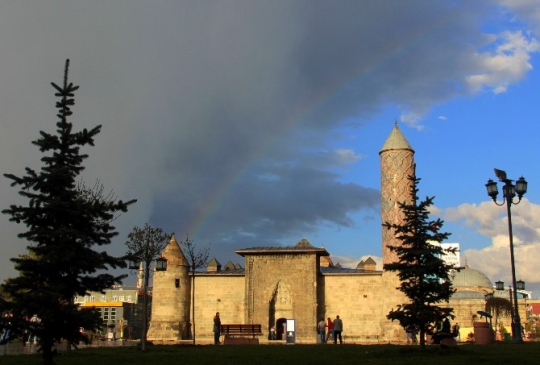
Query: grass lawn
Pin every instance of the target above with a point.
(500, 353)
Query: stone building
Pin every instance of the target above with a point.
(300, 281)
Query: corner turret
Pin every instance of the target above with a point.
(170, 315)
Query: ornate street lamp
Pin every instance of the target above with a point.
(488, 297)
(509, 192)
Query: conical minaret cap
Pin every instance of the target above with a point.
(396, 141)
(174, 254)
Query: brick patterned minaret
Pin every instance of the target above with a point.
(397, 164)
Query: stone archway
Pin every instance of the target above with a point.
(280, 306)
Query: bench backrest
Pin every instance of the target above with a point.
(248, 329)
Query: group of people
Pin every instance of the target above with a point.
(440, 332)
(29, 336)
(330, 328)
(437, 332)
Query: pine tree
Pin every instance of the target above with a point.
(65, 229)
(424, 275)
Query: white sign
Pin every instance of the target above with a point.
(449, 257)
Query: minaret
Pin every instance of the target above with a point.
(140, 276)
(397, 164)
(171, 297)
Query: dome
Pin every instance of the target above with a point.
(467, 277)
(467, 294)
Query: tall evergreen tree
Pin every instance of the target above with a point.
(65, 229)
(424, 275)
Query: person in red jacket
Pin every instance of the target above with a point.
(330, 326)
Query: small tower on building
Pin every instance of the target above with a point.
(171, 293)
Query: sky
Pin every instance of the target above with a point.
(259, 123)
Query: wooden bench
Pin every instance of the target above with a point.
(235, 334)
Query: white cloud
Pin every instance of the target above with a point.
(507, 64)
(491, 221)
(347, 156)
(528, 10)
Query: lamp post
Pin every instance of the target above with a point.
(488, 297)
(499, 285)
(520, 285)
(509, 192)
(134, 263)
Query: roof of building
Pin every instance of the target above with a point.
(323, 270)
(234, 272)
(468, 277)
(174, 254)
(467, 294)
(346, 270)
(370, 261)
(213, 262)
(396, 141)
(229, 266)
(303, 246)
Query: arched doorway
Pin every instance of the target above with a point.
(280, 328)
(280, 308)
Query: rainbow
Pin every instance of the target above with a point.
(303, 112)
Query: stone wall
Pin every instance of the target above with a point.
(217, 293)
(361, 300)
(357, 300)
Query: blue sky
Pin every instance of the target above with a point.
(258, 123)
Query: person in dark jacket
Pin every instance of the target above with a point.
(338, 328)
(217, 329)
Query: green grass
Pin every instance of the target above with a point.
(500, 353)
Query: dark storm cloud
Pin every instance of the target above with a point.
(218, 116)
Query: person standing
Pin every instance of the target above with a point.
(338, 328)
(321, 326)
(446, 326)
(408, 333)
(455, 332)
(34, 324)
(330, 326)
(217, 328)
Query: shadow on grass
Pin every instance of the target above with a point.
(501, 353)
